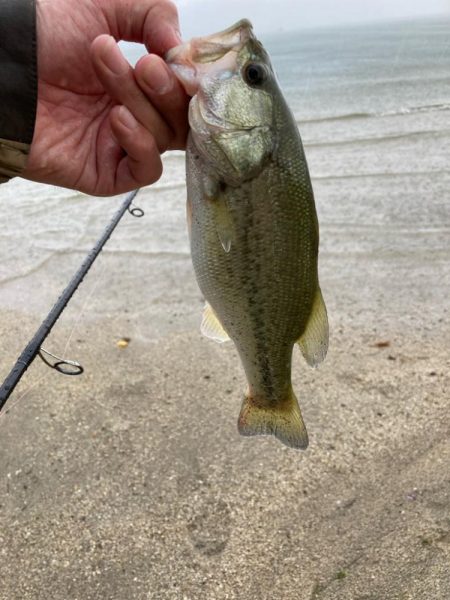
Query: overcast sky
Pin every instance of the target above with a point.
(206, 16)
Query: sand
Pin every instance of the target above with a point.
(131, 481)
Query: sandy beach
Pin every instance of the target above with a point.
(131, 481)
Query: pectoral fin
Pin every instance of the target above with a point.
(211, 327)
(222, 218)
(314, 340)
(224, 223)
(224, 228)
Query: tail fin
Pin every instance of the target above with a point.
(284, 421)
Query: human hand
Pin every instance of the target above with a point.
(101, 126)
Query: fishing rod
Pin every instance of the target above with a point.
(34, 347)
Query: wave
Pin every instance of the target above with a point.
(377, 114)
(377, 139)
(380, 175)
(60, 254)
(164, 187)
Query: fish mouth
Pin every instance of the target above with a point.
(216, 52)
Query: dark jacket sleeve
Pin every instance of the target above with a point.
(18, 84)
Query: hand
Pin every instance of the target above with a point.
(101, 126)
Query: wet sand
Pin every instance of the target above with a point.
(132, 481)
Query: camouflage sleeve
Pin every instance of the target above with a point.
(18, 84)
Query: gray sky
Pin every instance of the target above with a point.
(206, 16)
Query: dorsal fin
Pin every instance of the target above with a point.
(314, 340)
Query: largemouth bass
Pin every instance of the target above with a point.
(253, 226)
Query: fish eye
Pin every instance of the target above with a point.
(255, 74)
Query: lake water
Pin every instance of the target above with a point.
(373, 107)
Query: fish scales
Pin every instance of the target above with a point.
(253, 225)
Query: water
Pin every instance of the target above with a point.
(373, 107)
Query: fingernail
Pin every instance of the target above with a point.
(157, 78)
(113, 59)
(178, 36)
(126, 118)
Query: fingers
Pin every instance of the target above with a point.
(118, 79)
(150, 116)
(142, 164)
(166, 94)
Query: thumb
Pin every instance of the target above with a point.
(150, 22)
(161, 28)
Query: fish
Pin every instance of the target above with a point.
(252, 221)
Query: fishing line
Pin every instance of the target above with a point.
(12, 403)
(97, 283)
(34, 347)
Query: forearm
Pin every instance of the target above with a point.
(18, 84)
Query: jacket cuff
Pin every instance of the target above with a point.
(18, 83)
(13, 158)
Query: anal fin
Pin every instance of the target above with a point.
(211, 327)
